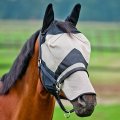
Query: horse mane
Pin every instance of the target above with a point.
(20, 65)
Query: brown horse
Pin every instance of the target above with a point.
(28, 93)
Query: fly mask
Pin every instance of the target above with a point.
(64, 54)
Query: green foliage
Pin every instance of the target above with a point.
(102, 112)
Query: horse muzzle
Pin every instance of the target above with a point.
(84, 105)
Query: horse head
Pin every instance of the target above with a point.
(64, 54)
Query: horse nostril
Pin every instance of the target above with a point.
(89, 99)
(81, 102)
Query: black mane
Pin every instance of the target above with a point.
(20, 65)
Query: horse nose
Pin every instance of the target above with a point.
(89, 99)
(85, 104)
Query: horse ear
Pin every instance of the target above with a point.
(74, 16)
(48, 17)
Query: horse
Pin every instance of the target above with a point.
(52, 65)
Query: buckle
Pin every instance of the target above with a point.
(58, 89)
(39, 63)
(67, 115)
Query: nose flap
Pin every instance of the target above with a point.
(76, 85)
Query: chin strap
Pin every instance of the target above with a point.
(66, 112)
(41, 41)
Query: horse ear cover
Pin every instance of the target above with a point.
(48, 17)
(74, 16)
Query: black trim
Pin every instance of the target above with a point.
(62, 106)
(75, 56)
(47, 72)
(71, 72)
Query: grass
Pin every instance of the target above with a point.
(105, 59)
(98, 33)
(19, 31)
(101, 33)
(102, 112)
(7, 58)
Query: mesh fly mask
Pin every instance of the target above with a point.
(63, 61)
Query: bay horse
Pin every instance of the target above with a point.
(51, 65)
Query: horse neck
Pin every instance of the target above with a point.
(35, 102)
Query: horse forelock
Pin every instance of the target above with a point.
(60, 27)
(20, 65)
(64, 26)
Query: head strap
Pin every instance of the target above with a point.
(54, 89)
(42, 68)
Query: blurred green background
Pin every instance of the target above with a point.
(99, 22)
